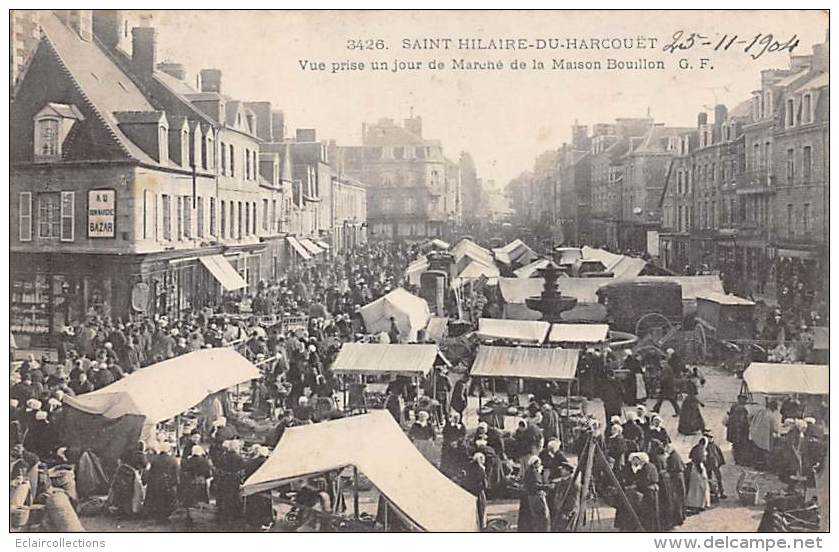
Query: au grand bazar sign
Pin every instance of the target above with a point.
(101, 213)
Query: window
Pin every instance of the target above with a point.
(756, 157)
(25, 217)
(790, 112)
(167, 216)
(806, 218)
(806, 163)
(790, 227)
(163, 142)
(247, 164)
(49, 216)
(790, 166)
(188, 217)
(223, 158)
(146, 195)
(179, 207)
(273, 214)
(233, 219)
(68, 204)
(212, 216)
(409, 205)
(232, 161)
(247, 218)
(210, 157)
(199, 217)
(806, 109)
(223, 219)
(265, 218)
(47, 138)
(239, 221)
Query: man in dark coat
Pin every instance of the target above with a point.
(459, 395)
(737, 430)
(228, 478)
(568, 488)
(162, 484)
(713, 463)
(477, 483)
(612, 395)
(667, 390)
(534, 515)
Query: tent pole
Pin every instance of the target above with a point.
(178, 435)
(355, 491)
(601, 456)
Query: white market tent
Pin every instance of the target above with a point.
(532, 270)
(586, 334)
(526, 362)
(476, 269)
(515, 252)
(777, 379)
(522, 331)
(468, 247)
(415, 270)
(164, 390)
(622, 266)
(385, 359)
(437, 243)
(376, 445)
(410, 312)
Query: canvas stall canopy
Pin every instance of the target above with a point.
(437, 328)
(586, 334)
(474, 270)
(778, 379)
(692, 286)
(522, 331)
(467, 247)
(385, 359)
(410, 312)
(532, 270)
(515, 252)
(415, 270)
(622, 266)
(223, 272)
(116, 416)
(310, 246)
(375, 444)
(526, 362)
(437, 243)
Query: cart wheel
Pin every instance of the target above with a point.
(701, 343)
(654, 323)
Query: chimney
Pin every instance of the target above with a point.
(80, 21)
(106, 27)
(211, 80)
(278, 125)
(306, 135)
(264, 121)
(144, 49)
(720, 114)
(701, 119)
(176, 70)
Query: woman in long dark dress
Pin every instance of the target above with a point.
(228, 478)
(453, 455)
(259, 511)
(196, 472)
(534, 515)
(162, 488)
(658, 458)
(676, 470)
(691, 421)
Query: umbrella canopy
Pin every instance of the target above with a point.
(410, 312)
(377, 446)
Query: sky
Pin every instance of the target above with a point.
(503, 118)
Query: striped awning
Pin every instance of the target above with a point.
(310, 246)
(223, 272)
(526, 362)
(299, 249)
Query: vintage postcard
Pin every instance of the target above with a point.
(437, 271)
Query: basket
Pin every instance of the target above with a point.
(747, 488)
(18, 516)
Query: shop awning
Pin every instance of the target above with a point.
(299, 249)
(376, 445)
(322, 244)
(377, 358)
(311, 247)
(778, 379)
(526, 362)
(223, 271)
(524, 331)
(579, 333)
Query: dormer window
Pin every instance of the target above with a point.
(51, 126)
(163, 141)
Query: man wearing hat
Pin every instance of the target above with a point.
(565, 487)
(713, 462)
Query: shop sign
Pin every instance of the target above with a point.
(101, 213)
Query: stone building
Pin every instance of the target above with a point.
(131, 193)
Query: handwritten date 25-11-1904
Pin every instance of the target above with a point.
(754, 45)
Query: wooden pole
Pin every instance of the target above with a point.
(355, 492)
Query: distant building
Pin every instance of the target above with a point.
(409, 195)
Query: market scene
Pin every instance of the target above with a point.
(310, 341)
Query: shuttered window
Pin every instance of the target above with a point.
(25, 222)
(68, 219)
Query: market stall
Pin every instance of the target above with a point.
(538, 364)
(115, 417)
(785, 379)
(515, 252)
(375, 445)
(527, 332)
(579, 336)
(410, 312)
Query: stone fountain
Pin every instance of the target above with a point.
(551, 303)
